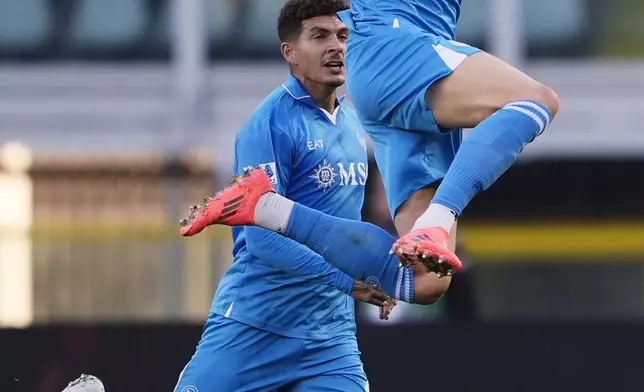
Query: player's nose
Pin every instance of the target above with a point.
(337, 45)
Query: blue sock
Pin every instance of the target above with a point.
(359, 249)
(491, 148)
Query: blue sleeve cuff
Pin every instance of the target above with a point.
(344, 283)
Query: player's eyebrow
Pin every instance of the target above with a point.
(324, 30)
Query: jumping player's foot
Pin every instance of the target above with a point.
(428, 246)
(233, 206)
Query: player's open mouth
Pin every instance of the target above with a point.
(335, 66)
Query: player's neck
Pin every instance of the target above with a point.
(327, 102)
(323, 95)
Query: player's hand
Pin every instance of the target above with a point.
(385, 311)
(369, 294)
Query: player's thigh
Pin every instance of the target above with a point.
(479, 86)
(234, 357)
(389, 70)
(332, 383)
(408, 160)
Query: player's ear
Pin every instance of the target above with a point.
(289, 53)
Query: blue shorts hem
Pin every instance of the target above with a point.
(403, 196)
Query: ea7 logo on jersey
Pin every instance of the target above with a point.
(269, 167)
(313, 144)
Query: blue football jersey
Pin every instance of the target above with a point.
(318, 159)
(438, 17)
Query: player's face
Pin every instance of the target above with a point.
(320, 50)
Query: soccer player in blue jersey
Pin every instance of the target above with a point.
(414, 89)
(283, 317)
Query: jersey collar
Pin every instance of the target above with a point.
(295, 89)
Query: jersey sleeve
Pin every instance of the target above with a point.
(273, 149)
(269, 148)
(288, 255)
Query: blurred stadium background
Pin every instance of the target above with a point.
(115, 115)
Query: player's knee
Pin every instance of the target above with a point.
(547, 97)
(535, 92)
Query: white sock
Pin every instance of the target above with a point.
(436, 215)
(273, 212)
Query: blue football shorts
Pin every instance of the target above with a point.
(390, 65)
(235, 357)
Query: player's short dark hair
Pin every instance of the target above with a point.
(295, 12)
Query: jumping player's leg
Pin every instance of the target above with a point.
(507, 110)
(418, 82)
